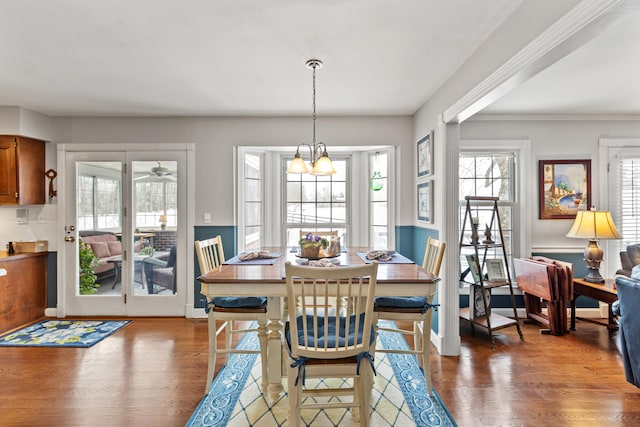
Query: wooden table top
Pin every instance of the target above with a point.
(609, 285)
(240, 273)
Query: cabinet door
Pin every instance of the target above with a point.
(30, 164)
(22, 179)
(8, 173)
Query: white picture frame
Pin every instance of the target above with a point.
(495, 270)
(473, 267)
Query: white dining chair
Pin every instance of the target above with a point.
(324, 344)
(416, 309)
(229, 309)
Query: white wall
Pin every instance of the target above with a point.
(555, 140)
(214, 139)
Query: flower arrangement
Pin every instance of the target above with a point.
(310, 240)
(310, 245)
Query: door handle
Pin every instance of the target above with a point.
(70, 237)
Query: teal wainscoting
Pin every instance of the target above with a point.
(52, 280)
(229, 242)
(411, 241)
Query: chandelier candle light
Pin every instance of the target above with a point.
(320, 161)
(593, 225)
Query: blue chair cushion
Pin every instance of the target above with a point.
(239, 302)
(331, 337)
(400, 302)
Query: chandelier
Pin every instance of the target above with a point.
(320, 161)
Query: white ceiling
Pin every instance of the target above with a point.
(247, 58)
(235, 57)
(600, 78)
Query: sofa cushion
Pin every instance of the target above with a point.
(633, 253)
(100, 249)
(115, 248)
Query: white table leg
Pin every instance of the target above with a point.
(274, 350)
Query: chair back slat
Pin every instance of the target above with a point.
(317, 289)
(433, 256)
(210, 254)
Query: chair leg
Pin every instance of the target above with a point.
(228, 335)
(212, 351)
(426, 350)
(365, 385)
(294, 395)
(417, 343)
(262, 337)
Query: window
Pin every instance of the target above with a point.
(99, 203)
(317, 203)
(491, 173)
(379, 200)
(629, 206)
(624, 199)
(253, 205)
(154, 199)
(273, 206)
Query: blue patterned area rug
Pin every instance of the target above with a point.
(63, 333)
(399, 396)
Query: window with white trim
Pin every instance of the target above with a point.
(624, 201)
(317, 203)
(493, 174)
(379, 200)
(273, 206)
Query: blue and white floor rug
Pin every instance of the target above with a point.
(399, 396)
(63, 333)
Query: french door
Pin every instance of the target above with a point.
(125, 245)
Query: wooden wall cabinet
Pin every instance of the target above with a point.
(22, 162)
(23, 291)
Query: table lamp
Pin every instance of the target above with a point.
(593, 225)
(163, 221)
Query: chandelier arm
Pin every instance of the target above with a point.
(304, 145)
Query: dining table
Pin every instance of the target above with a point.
(268, 279)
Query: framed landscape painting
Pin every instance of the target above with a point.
(425, 155)
(564, 188)
(425, 201)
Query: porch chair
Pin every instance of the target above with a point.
(161, 272)
(227, 309)
(322, 343)
(418, 310)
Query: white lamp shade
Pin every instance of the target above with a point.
(594, 225)
(323, 166)
(298, 166)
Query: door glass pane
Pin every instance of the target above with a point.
(99, 222)
(155, 233)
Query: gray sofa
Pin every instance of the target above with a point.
(629, 320)
(629, 259)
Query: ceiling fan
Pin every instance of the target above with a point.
(157, 173)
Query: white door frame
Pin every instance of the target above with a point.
(185, 254)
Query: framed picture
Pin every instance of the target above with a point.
(495, 270)
(425, 201)
(425, 155)
(473, 267)
(564, 188)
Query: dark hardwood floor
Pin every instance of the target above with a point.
(152, 373)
